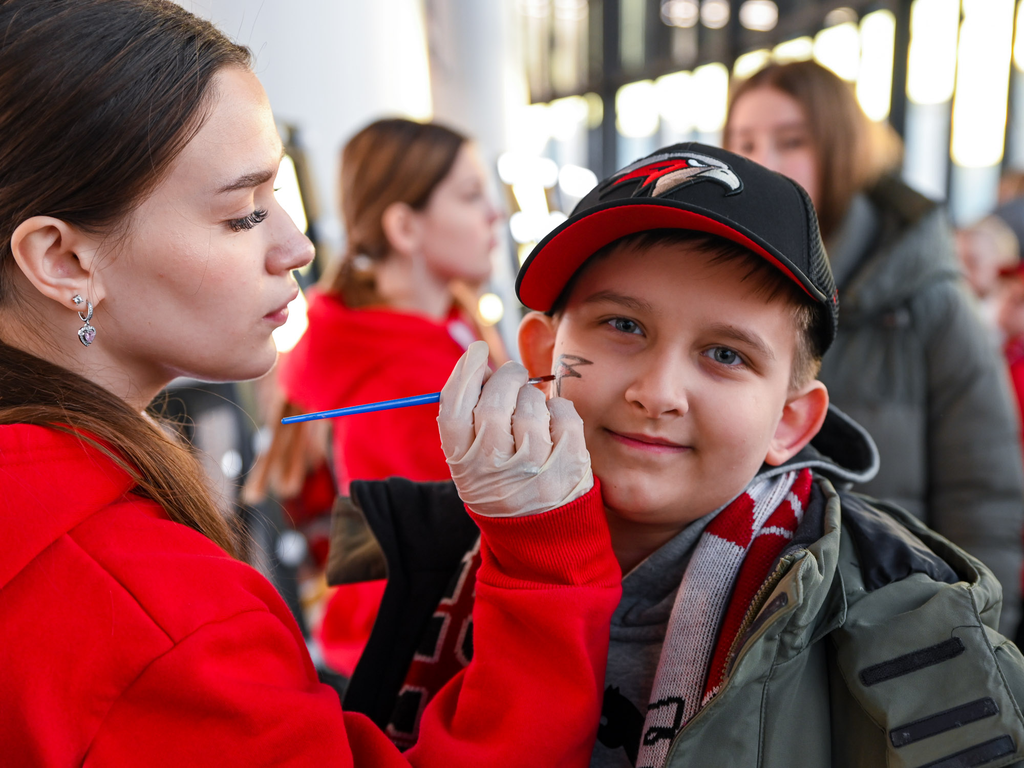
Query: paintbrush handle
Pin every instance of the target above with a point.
(385, 405)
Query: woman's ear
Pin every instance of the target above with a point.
(57, 259)
(402, 228)
(802, 417)
(537, 342)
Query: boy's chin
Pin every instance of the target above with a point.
(640, 506)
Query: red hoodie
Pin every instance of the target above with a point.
(350, 357)
(128, 639)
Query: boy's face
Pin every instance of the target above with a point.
(681, 374)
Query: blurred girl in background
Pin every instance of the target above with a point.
(912, 362)
(390, 321)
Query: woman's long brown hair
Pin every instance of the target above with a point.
(851, 151)
(97, 99)
(389, 161)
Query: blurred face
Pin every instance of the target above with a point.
(770, 128)
(1010, 306)
(457, 224)
(681, 375)
(204, 276)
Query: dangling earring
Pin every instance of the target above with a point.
(86, 334)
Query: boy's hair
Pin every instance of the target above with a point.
(768, 282)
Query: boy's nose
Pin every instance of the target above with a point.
(659, 388)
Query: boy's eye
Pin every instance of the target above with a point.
(725, 356)
(625, 325)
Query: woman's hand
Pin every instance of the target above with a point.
(511, 451)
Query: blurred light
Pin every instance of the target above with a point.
(636, 109)
(567, 116)
(231, 464)
(537, 9)
(530, 128)
(874, 81)
(751, 62)
(982, 82)
(519, 168)
(711, 95)
(531, 226)
(531, 199)
(524, 252)
(838, 49)
(675, 100)
(840, 16)
(491, 308)
(576, 181)
(714, 14)
(595, 110)
(288, 194)
(571, 10)
(288, 335)
(797, 49)
(680, 13)
(759, 15)
(407, 77)
(1018, 39)
(931, 62)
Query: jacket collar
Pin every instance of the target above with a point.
(842, 451)
(50, 481)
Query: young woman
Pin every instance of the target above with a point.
(391, 322)
(912, 362)
(140, 240)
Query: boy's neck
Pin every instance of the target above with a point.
(634, 542)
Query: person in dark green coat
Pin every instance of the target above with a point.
(912, 361)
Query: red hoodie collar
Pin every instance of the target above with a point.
(50, 481)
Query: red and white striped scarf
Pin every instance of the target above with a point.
(728, 567)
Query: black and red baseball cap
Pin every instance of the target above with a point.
(694, 187)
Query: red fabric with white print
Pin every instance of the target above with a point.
(728, 567)
(445, 649)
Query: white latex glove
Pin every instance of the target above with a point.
(511, 451)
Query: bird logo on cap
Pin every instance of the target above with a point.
(668, 172)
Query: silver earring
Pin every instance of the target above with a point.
(86, 334)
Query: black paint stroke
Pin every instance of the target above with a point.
(565, 367)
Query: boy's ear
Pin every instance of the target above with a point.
(802, 417)
(537, 342)
(401, 228)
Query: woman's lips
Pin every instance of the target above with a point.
(648, 443)
(280, 315)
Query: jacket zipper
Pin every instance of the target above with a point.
(755, 606)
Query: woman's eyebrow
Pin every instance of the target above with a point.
(250, 180)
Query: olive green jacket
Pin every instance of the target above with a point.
(862, 653)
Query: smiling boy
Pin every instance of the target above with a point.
(767, 618)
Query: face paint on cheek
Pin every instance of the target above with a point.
(565, 367)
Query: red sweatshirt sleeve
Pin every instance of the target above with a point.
(242, 693)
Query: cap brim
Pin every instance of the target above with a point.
(557, 257)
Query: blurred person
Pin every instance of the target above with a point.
(987, 249)
(912, 361)
(141, 239)
(391, 321)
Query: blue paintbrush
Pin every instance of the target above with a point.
(385, 405)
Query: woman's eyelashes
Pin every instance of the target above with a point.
(248, 222)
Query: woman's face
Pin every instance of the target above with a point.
(204, 275)
(770, 128)
(457, 232)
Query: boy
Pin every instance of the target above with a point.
(767, 618)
